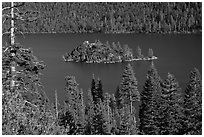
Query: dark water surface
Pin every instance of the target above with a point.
(177, 53)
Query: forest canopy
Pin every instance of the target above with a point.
(113, 17)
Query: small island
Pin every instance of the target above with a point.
(98, 52)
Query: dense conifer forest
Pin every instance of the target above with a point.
(164, 108)
(112, 17)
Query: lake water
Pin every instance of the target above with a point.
(177, 53)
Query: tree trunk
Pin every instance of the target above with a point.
(13, 69)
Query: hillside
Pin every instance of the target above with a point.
(110, 17)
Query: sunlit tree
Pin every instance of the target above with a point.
(149, 107)
(172, 118)
(193, 104)
(128, 92)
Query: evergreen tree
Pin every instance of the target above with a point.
(127, 52)
(127, 121)
(74, 101)
(148, 113)
(139, 53)
(97, 90)
(89, 111)
(93, 88)
(118, 97)
(108, 113)
(126, 95)
(172, 118)
(128, 92)
(95, 123)
(113, 105)
(66, 119)
(99, 122)
(150, 54)
(193, 104)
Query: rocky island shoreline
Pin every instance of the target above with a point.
(98, 52)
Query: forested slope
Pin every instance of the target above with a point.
(110, 17)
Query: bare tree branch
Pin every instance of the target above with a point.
(7, 15)
(8, 32)
(5, 20)
(6, 8)
(22, 33)
(17, 9)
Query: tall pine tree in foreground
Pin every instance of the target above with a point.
(128, 92)
(95, 110)
(172, 117)
(193, 104)
(75, 104)
(126, 95)
(97, 90)
(89, 111)
(108, 112)
(149, 107)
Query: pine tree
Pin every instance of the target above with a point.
(109, 116)
(150, 54)
(127, 53)
(97, 90)
(139, 53)
(193, 104)
(128, 92)
(127, 121)
(126, 95)
(74, 101)
(172, 118)
(66, 119)
(93, 88)
(99, 122)
(118, 97)
(89, 111)
(149, 107)
(95, 121)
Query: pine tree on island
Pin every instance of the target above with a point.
(193, 104)
(150, 53)
(139, 53)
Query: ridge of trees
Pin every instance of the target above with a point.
(112, 17)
